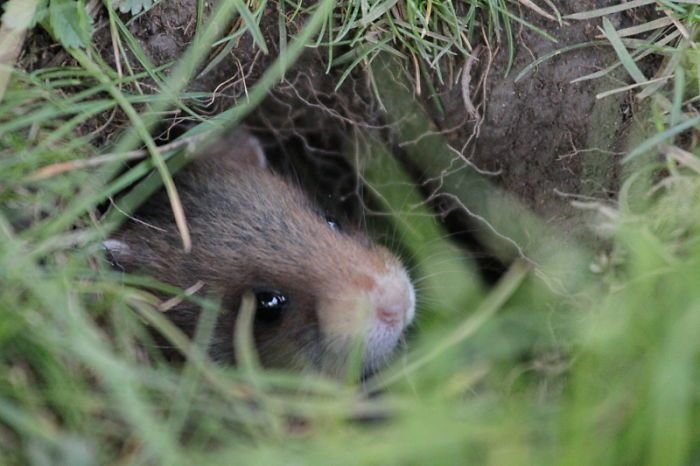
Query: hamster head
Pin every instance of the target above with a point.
(322, 292)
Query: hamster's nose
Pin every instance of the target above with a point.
(393, 299)
(392, 315)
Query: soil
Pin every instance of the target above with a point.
(547, 140)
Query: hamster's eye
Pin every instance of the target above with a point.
(270, 304)
(332, 223)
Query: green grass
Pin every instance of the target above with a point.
(611, 375)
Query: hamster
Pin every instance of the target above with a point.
(319, 288)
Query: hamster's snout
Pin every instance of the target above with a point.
(375, 311)
(392, 307)
(393, 299)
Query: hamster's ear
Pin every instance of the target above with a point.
(252, 151)
(119, 254)
(235, 149)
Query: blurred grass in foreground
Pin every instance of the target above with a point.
(605, 375)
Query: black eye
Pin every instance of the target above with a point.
(270, 304)
(332, 223)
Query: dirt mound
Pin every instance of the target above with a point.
(544, 138)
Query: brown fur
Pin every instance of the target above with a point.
(250, 229)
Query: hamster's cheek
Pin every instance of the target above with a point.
(293, 341)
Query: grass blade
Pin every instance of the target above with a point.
(622, 53)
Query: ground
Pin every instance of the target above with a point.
(543, 138)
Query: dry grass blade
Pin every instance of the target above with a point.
(608, 10)
(466, 81)
(55, 169)
(426, 20)
(642, 28)
(165, 306)
(630, 87)
(69, 165)
(670, 66)
(681, 28)
(537, 9)
(15, 21)
(682, 157)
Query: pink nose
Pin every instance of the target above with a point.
(393, 302)
(391, 316)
